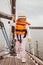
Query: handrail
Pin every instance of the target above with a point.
(37, 60)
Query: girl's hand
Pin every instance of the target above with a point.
(13, 18)
(29, 39)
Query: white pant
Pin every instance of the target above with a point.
(20, 47)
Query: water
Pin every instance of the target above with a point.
(37, 35)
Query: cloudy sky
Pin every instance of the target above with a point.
(32, 8)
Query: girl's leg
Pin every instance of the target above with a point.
(23, 52)
(18, 49)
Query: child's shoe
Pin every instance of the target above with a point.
(23, 60)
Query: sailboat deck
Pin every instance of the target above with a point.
(14, 61)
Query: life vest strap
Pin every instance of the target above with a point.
(21, 30)
(20, 24)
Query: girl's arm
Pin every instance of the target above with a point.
(28, 23)
(28, 34)
(12, 23)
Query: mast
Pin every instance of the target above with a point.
(13, 6)
(13, 11)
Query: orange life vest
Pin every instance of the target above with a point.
(21, 27)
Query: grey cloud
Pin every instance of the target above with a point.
(33, 7)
